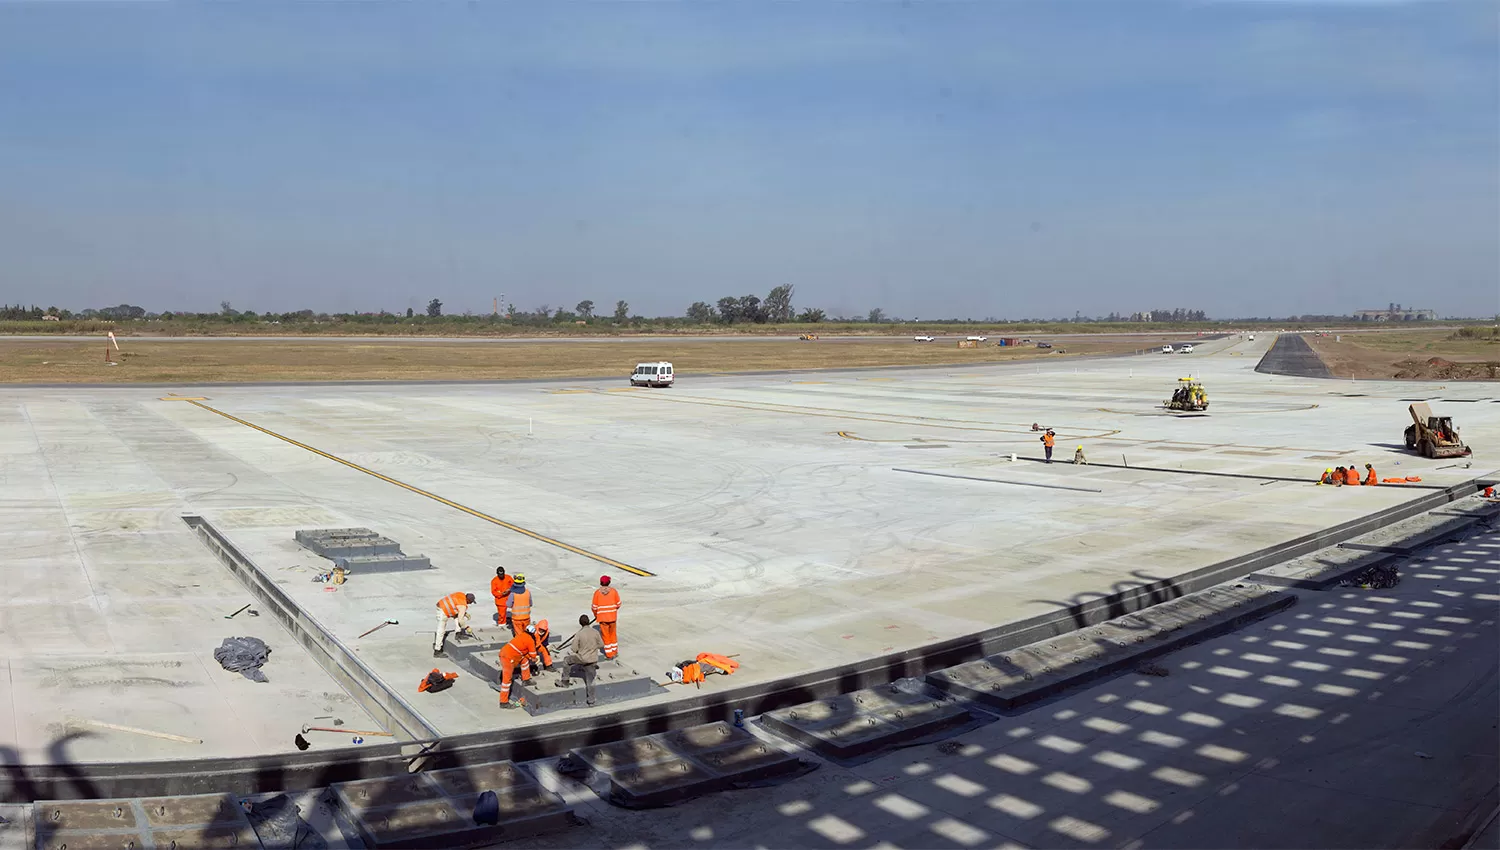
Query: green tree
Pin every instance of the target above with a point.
(729, 309)
(434, 308)
(622, 311)
(585, 309)
(700, 313)
(778, 305)
(876, 316)
(811, 314)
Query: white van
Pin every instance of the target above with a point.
(658, 374)
(1166, 349)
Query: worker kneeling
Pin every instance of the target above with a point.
(521, 651)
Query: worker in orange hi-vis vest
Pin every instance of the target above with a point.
(520, 652)
(543, 634)
(455, 607)
(520, 605)
(606, 609)
(500, 587)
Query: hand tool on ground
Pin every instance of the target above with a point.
(379, 627)
(565, 643)
(133, 730)
(309, 728)
(242, 610)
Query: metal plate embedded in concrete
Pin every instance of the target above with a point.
(206, 821)
(865, 721)
(660, 770)
(1041, 669)
(614, 680)
(436, 809)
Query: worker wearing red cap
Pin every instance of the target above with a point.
(606, 609)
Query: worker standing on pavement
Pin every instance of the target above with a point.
(520, 652)
(520, 605)
(606, 610)
(1049, 439)
(455, 607)
(500, 587)
(582, 659)
(1371, 479)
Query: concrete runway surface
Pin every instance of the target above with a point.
(773, 517)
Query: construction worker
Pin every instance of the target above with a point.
(1339, 477)
(455, 607)
(520, 605)
(542, 635)
(583, 657)
(1351, 476)
(520, 652)
(500, 587)
(1078, 457)
(1327, 476)
(1049, 439)
(1371, 479)
(606, 608)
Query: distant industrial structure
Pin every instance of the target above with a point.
(1395, 313)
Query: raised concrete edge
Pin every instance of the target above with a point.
(1159, 634)
(297, 771)
(383, 704)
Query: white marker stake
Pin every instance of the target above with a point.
(115, 343)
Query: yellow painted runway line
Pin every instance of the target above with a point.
(433, 496)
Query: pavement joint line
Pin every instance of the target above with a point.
(997, 480)
(1244, 475)
(433, 496)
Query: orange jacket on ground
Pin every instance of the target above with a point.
(500, 589)
(521, 648)
(1372, 479)
(453, 603)
(606, 606)
(723, 662)
(520, 605)
(692, 673)
(1351, 476)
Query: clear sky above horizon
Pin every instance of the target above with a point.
(969, 159)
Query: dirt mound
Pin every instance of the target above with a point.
(1439, 369)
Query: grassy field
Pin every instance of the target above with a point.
(1470, 354)
(214, 360)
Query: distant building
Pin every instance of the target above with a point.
(1395, 313)
(50, 318)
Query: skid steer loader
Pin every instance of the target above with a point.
(1433, 436)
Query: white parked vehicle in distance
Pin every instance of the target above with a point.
(1186, 349)
(978, 339)
(1252, 337)
(658, 374)
(923, 338)
(1166, 349)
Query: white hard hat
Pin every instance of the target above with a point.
(530, 628)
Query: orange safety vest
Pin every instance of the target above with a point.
(1351, 476)
(452, 602)
(1371, 480)
(500, 588)
(725, 664)
(606, 605)
(520, 605)
(1048, 440)
(521, 648)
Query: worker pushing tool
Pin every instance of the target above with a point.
(606, 608)
(520, 605)
(455, 607)
(500, 587)
(519, 652)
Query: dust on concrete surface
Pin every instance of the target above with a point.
(765, 508)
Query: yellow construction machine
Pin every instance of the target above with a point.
(1433, 436)
(1189, 396)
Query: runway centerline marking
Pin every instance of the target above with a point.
(433, 496)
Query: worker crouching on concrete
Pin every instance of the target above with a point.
(543, 634)
(1327, 476)
(520, 605)
(455, 607)
(1351, 477)
(1079, 458)
(520, 652)
(500, 587)
(1371, 479)
(582, 659)
(606, 609)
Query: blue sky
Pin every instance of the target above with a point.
(985, 158)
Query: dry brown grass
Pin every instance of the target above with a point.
(1405, 354)
(215, 360)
